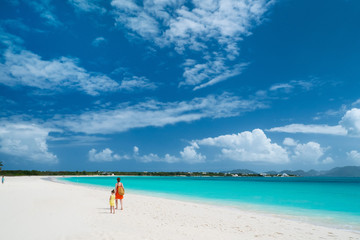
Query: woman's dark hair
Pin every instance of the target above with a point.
(118, 179)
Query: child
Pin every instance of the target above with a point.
(112, 201)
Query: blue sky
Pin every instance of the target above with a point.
(179, 85)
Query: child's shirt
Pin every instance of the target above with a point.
(112, 200)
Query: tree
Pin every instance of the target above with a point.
(1, 164)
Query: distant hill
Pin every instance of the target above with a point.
(302, 173)
(240, 171)
(348, 171)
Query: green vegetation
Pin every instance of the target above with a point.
(43, 173)
(1, 164)
(85, 173)
(116, 173)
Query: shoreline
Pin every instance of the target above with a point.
(51, 210)
(314, 217)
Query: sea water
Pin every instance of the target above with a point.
(329, 201)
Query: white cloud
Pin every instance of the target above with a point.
(19, 67)
(136, 150)
(317, 129)
(45, 9)
(98, 41)
(289, 142)
(190, 155)
(333, 113)
(349, 125)
(9, 40)
(154, 157)
(291, 86)
(106, 155)
(157, 114)
(214, 28)
(209, 73)
(248, 146)
(356, 103)
(327, 160)
(224, 21)
(88, 5)
(131, 84)
(28, 69)
(72, 140)
(310, 152)
(145, 20)
(354, 156)
(17, 24)
(286, 86)
(351, 122)
(307, 85)
(27, 141)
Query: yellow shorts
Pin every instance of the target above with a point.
(112, 204)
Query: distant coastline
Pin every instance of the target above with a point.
(117, 173)
(347, 171)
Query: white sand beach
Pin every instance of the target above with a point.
(33, 208)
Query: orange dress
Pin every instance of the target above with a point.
(117, 195)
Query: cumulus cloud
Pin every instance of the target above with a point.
(351, 122)
(26, 141)
(247, 146)
(190, 155)
(354, 156)
(309, 152)
(213, 28)
(154, 157)
(28, 69)
(289, 142)
(106, 155)
(157, 114)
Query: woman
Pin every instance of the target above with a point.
(119, 193)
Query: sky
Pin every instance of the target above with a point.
(175, 85)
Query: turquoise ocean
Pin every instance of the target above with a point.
(325, 201)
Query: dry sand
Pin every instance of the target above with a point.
(33, 208)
